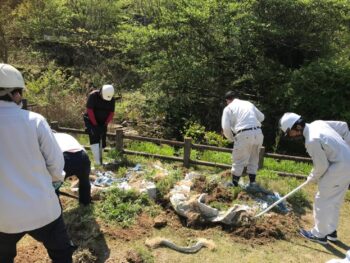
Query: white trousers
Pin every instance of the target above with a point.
(245, 152)
(332, 188)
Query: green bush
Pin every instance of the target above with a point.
(212, 138)
(195, 131)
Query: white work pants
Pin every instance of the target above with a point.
(332, 188)
(245, 152)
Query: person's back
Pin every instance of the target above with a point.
(22, 138)
(244, 115)
(341, 128)
(31, 163)
(77, 163)
(335, 148)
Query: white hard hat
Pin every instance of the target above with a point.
(288, 120)
(107, 92)
(10, 79)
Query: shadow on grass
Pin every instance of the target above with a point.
(300, 204)
(329, 247)
(334, 251)
(86, 234)
(340, 244)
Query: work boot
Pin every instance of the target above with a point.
(235, 180)
(308, 235)
(252, 178)
(333, 236)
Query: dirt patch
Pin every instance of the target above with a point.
(133, 257)
(141, 228)
(215, 191)
(269, 228)
(35, 252)
(220, 194)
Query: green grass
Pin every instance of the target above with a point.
(216, 157)
(152, 148)
(122, 207)
(287, 166)
(166, 183)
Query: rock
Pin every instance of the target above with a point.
(160, 222)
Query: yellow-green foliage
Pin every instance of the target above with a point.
(151, 148)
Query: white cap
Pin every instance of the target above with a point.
(288, 120)
(107, 92)
(10, 79)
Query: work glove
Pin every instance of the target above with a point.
(57, 185)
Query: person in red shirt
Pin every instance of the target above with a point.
(100, 108)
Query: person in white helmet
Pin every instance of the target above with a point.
(100, 108)
(76, 162)
(331, 171)
(31, 162)
(241, 123)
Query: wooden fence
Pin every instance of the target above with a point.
(118, 136)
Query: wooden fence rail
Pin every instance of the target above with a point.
(119, 137)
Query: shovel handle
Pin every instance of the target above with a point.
(282, 199)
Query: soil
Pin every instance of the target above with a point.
(269, 228)
(141, 229)
(93, 235)
(133, 257)
(33, 252)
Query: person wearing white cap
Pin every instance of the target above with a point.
(331, 170)
(31, 163)
(241, 123)
(100, 108)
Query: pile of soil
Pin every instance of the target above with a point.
(268, 228)
(215, 191)
(271, 227)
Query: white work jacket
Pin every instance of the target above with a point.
(68, 143)
(327, 149)
(342, 128)
(239, 115)
(30, 161)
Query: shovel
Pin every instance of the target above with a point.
(282, 199)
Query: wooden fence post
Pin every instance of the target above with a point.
(119, 140)
(261, 157)
(187, 151)
(54, 126)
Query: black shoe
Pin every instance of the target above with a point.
(252, 178)
(308, 235)
(333, 236)
(235, 180)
